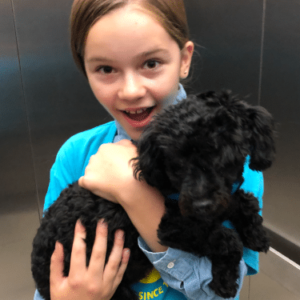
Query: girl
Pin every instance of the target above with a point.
(134, 54)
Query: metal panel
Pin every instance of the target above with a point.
(281, 69)
(283, 270)
(58, 98)
(18, 203)
(17, 175)
(281, 95)
(229, 34)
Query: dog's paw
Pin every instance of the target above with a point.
(223, 288)
(259, 243)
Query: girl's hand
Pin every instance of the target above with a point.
(110, 171)
(95, 282)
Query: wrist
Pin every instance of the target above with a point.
(131, 191)
(145, 207)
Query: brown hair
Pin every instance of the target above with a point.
(85, 13)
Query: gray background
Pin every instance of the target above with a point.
(249, 46)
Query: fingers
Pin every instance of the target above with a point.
(112, 273)
(81, 182)
(115, 258)
(97, 261)
(57, 264)
(78, 255)
(122, 268)
(98, 281)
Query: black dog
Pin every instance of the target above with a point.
(58, 225)
(196, 148)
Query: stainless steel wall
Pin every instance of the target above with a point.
(252, 47)
(18, 209)
(249, 46)
(58, 101)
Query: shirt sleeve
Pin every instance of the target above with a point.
(187, 273)
(61, 176)
(74, 156)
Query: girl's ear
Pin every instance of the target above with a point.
(186, 59)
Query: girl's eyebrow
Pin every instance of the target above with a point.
(152, 52)
(99, 58)
(141, 55)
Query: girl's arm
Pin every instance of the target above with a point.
(109, 175)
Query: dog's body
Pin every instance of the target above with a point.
(196, 148)
(58, 225)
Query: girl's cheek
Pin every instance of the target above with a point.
(168, 90)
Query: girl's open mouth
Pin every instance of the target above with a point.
(139, 118)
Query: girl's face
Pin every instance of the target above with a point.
(134, 66)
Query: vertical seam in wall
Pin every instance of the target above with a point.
(262, 51)
(249, 288)
(26, 110)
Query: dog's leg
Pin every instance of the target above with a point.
(226, 253)
(182, 233)
(221, 245)
(248, 222)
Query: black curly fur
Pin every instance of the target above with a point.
(58, 225)
(198, 149)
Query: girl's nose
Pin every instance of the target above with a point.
(132, 88)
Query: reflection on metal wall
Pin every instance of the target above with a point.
(58, 101)
(15, 151)
(17, 184)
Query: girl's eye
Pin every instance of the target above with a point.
(151, 64)
(106, 70)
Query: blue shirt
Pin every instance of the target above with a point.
(180, 275)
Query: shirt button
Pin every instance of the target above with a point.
(171, 265)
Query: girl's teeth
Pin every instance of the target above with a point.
(136, 112)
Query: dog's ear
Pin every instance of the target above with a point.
(149, 165)
(262, 132)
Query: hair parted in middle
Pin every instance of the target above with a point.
(170, 14)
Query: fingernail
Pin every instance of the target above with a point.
(120, 234)
(103, 223)
(126, 254)
(80, 223)
(56, 246)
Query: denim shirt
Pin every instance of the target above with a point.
(181, 275)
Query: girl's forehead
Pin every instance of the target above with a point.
(130, 12)
(127, 29)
